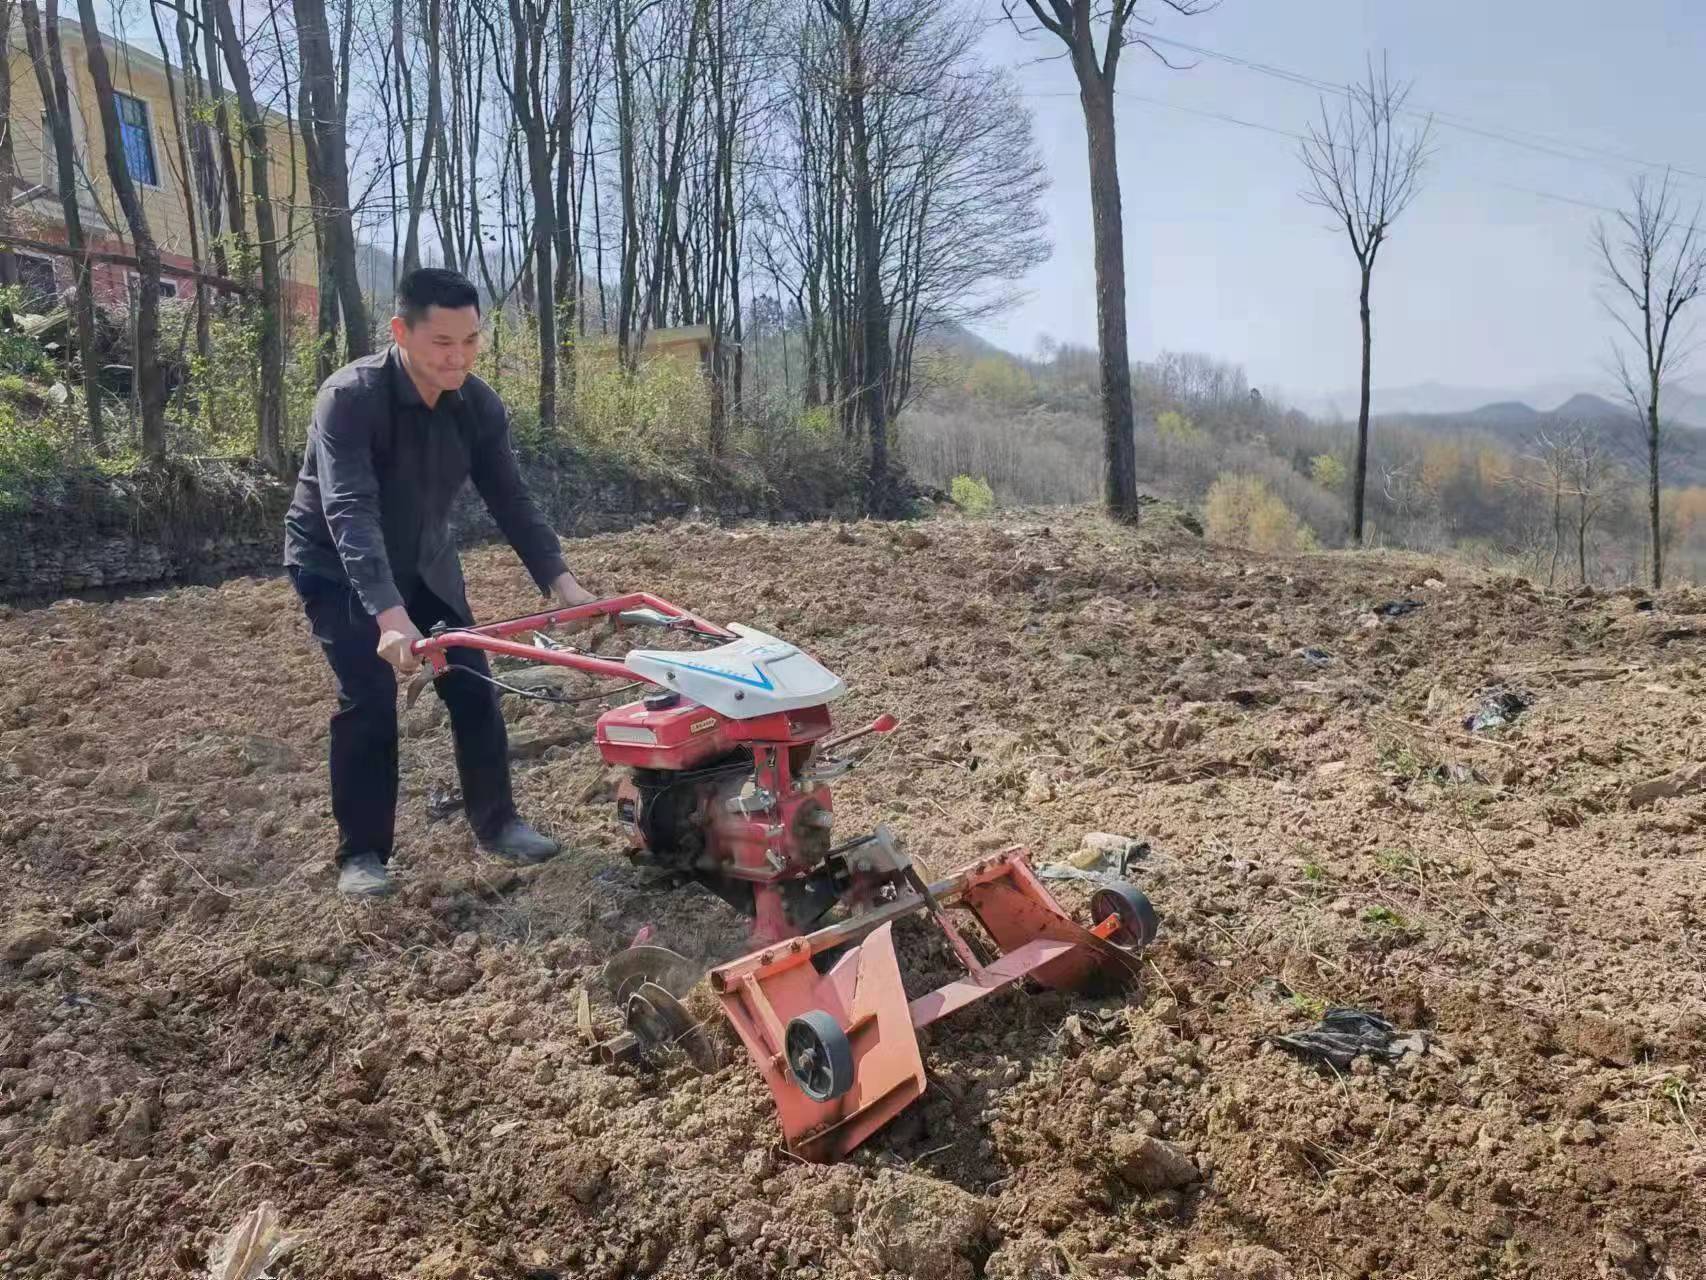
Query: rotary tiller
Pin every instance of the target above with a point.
(728, 761)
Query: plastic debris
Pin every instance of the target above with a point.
(1461, 775)
(441, 803)
(251, 1247)
(1315, 657)
(1497, 709)
(1343, 1034)
(1066, 871)
(1102, 853)
(1398, 608)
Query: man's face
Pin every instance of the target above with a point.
(441, 345)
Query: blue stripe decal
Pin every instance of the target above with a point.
(762, 681)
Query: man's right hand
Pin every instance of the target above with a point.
(397, 632)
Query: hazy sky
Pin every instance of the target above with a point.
(1481, 285)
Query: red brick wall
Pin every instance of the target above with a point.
(112, 280)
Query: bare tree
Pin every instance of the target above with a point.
(1552, 456)
(1579, 477)
(192, 210)
(224, 173)
(145, 341)
(432, 28)
(1075, 24)
(524, 84)
(269, 437)
(329, 169)
(853, 18)
(1594, 476)
(1656, 269)
(1365, 169)
(49, 63)
(964, 202)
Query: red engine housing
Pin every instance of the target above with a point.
(723, 798)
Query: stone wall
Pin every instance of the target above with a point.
(96, 536)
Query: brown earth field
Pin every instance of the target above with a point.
(193, 1025)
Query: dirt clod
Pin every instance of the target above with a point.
(145, 664)
(1602, 1038)
(1150, 1164)
(1243, 1262)
(20, 942)
(922, 1227)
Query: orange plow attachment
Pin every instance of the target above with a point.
(839, 1050)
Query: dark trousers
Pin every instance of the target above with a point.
(364, 728)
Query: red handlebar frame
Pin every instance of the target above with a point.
(492, 637)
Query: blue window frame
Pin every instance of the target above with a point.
(138, 138)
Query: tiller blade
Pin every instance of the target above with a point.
(840, 1051)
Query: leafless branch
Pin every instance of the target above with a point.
(1363, 168)
(1655, 270)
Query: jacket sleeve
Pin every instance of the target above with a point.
(497, 478)
(341, 437)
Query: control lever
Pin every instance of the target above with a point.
(884, 723)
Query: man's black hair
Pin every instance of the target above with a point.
(433, 287)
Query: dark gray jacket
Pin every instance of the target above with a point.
(381, 471)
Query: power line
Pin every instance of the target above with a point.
(1559, 148)
(1223, 118)
(1212, 115)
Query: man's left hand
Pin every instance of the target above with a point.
(566, 593)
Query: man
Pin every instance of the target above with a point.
(368, 546)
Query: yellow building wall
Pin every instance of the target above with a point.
(143, 76)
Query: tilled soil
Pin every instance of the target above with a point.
(194, 1024)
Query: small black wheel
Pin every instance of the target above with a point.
(1138, 922)
(820, 1057)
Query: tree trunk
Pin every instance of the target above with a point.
(431, 15)
(1557, 529)
(1653, 483)
(331, 164)
(8, 157)
(1582, 520)
(1119, 447)
(567, 281)
(627, 144)
(732, 213)
(192, 215)
(1359, 484)
(874, 370)
(527, 98)
(671, 162)
(56, 100)
(222, 125)
(326, 328)
(205, 181)
(269, 437)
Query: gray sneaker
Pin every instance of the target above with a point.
(363, 876)
(519, 844)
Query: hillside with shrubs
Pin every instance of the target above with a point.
(1559, 500)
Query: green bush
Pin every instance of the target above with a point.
(23, 357)
(818, 422)
(1328, 472)
(33, 451)
(20, 355)
(1173, 425)
(1241, 509)
(971, 495)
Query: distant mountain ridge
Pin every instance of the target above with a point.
(1681, 403)
(1516, 426)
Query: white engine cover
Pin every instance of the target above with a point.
(756, 675)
